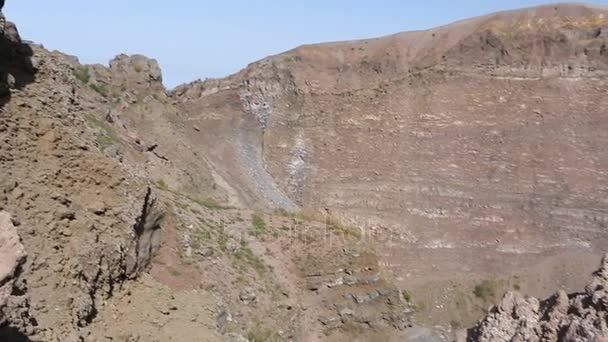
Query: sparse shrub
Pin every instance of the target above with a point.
(333, 224)
(420, 306)
(338, 227)
(222, 241)
(104, 141)
(282, 212)
(82, 74)
(246, 255)
(210, 203)
(485, 290)
(182, 206)
(258, 224)
(138, 68)
(162, 185)
(201, 238)
(105, 136)
(407, 296)
(101, 89)
(259, 334)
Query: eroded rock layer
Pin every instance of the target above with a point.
(476, 146)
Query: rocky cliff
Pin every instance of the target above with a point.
(73, 208)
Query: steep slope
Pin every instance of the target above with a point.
(477, 146)
(76, 210)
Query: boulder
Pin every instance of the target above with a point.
(247, 296)
(137, 65)
(12, 256)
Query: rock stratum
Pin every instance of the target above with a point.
(476, 146)
(383, 189)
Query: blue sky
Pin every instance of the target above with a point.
(196, 38)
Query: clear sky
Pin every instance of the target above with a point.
(197, 38)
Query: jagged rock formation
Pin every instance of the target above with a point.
(17, 67)
(76, 209)
(562, 317)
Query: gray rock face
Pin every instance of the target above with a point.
(562, 317)
(12, 255)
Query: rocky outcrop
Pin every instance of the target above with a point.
(76, 213)
(12, 256)
(16, 65)
(562, 317)
(136, 67)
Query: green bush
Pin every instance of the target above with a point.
(246, 255)
(162, 185)
(104, 136)
(407, 296)
(258, 225)
(102, 89)
(82, 74)
(485, 290)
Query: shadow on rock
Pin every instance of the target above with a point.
(16, 67)
(147, 236)
(9, 334)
